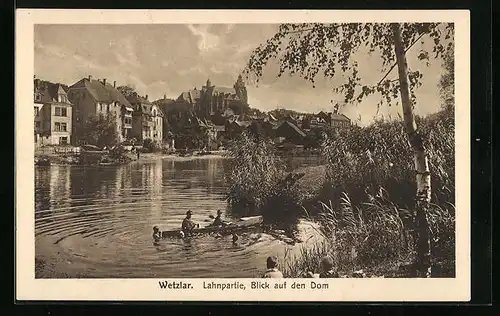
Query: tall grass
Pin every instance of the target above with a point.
(361, 160)
(366, 206)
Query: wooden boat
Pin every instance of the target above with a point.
(106, 163)
(242, 224)
(42, 162)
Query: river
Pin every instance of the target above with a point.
(96, 222)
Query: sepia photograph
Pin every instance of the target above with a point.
(243, 150)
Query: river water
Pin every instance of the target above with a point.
(96, 222)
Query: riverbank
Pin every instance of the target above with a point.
(125, 158)
(177, 156)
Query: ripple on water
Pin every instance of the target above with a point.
(92, 222)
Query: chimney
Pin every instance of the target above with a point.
(90, 77)
(146, 96)
(104, 81)
(164, 97)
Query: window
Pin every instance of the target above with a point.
(38, 97)
(60, 111)
(63, 140)
(60, 127)
(107, 108)
(37, 110)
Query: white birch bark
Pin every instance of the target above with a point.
(423, 176)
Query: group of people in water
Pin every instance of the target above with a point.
(188, 226)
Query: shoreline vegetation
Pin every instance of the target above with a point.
(363, 197)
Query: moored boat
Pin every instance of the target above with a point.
(236, 226)
(42, 161)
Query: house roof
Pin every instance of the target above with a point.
(101, 92)
(194, 94)
(190, 96)
(136, 99)
(224, 90)
(340, 117)
(294, 127)
(49, 91)
(242, 123)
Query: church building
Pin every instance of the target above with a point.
(215, 101)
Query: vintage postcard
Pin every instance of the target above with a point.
(235, 155)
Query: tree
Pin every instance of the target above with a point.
(447, 82)
(99, 131)
(308, 48)
(127, 91)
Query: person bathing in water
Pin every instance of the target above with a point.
(218, 220)
(188, 225)
(156, 234)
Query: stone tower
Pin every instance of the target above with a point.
(241, 90)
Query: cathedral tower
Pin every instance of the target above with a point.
(241, 90)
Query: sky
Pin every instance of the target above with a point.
(158, 60)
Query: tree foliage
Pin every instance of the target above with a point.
(127, 91)
(311, 50)
(99, 131)
(447, 81)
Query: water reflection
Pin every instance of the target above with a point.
(97, 221)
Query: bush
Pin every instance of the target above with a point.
(256, 181)
(149, 146)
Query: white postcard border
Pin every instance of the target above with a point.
(29, 288)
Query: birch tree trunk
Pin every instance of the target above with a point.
(423, 176)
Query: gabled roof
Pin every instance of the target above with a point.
(340, 117)
(101, 92)
(147, 108)
(242, 123)
(49, 91)
(190, 96)
(42, 90)
(294, 127)
(136, 99)
(194, 95)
